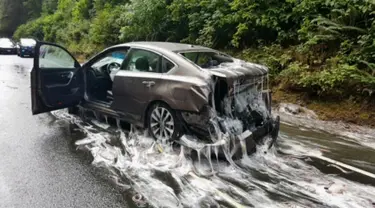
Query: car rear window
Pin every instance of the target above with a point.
(28, 42)
(191, 56)
(207, 59)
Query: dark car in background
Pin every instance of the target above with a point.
(7, 46)
(26, 47)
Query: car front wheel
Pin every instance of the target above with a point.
(163, 123)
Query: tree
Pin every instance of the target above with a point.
(11, 16)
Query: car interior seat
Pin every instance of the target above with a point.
(142, 64)
(98, 85)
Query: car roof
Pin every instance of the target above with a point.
(28, 41)
(7, 39)
(168, 46)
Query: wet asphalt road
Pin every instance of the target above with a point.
(38, 165)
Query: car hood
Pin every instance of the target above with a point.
(6, 46)
(238, 69)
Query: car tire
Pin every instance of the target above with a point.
(171, 125)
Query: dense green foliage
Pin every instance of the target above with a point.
(9, 16)
(323, 47)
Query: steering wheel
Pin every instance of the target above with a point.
(112, 66)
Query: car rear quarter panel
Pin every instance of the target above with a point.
(186, 87)
(185, 93)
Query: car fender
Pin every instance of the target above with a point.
(186, 93)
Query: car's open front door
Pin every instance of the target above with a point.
(57, 79)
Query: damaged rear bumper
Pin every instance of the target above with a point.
(271, 129)
(248, 140)
(239, 144)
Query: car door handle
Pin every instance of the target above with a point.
(148, 83)
(68, 75)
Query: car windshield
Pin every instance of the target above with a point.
(4, 42)
(207, 59)
(28, 42)
(107, 60)
(113, 57)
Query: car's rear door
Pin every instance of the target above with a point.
(135, 86)
(57, 79)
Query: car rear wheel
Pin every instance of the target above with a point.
(163, 123)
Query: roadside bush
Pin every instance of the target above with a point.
(144, 20)
(31, 29)
(322, 47)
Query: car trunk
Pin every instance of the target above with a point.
(242, 100)
(238, 78)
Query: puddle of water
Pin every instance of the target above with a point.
(352, 133)
(343, 149)
(283, 177)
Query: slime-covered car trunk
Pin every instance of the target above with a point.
(239, 115)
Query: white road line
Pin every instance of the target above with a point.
(349, 167)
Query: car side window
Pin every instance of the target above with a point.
(143, 61)
(167, 65)
(55, 57)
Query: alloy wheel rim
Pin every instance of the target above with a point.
(162, 123)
